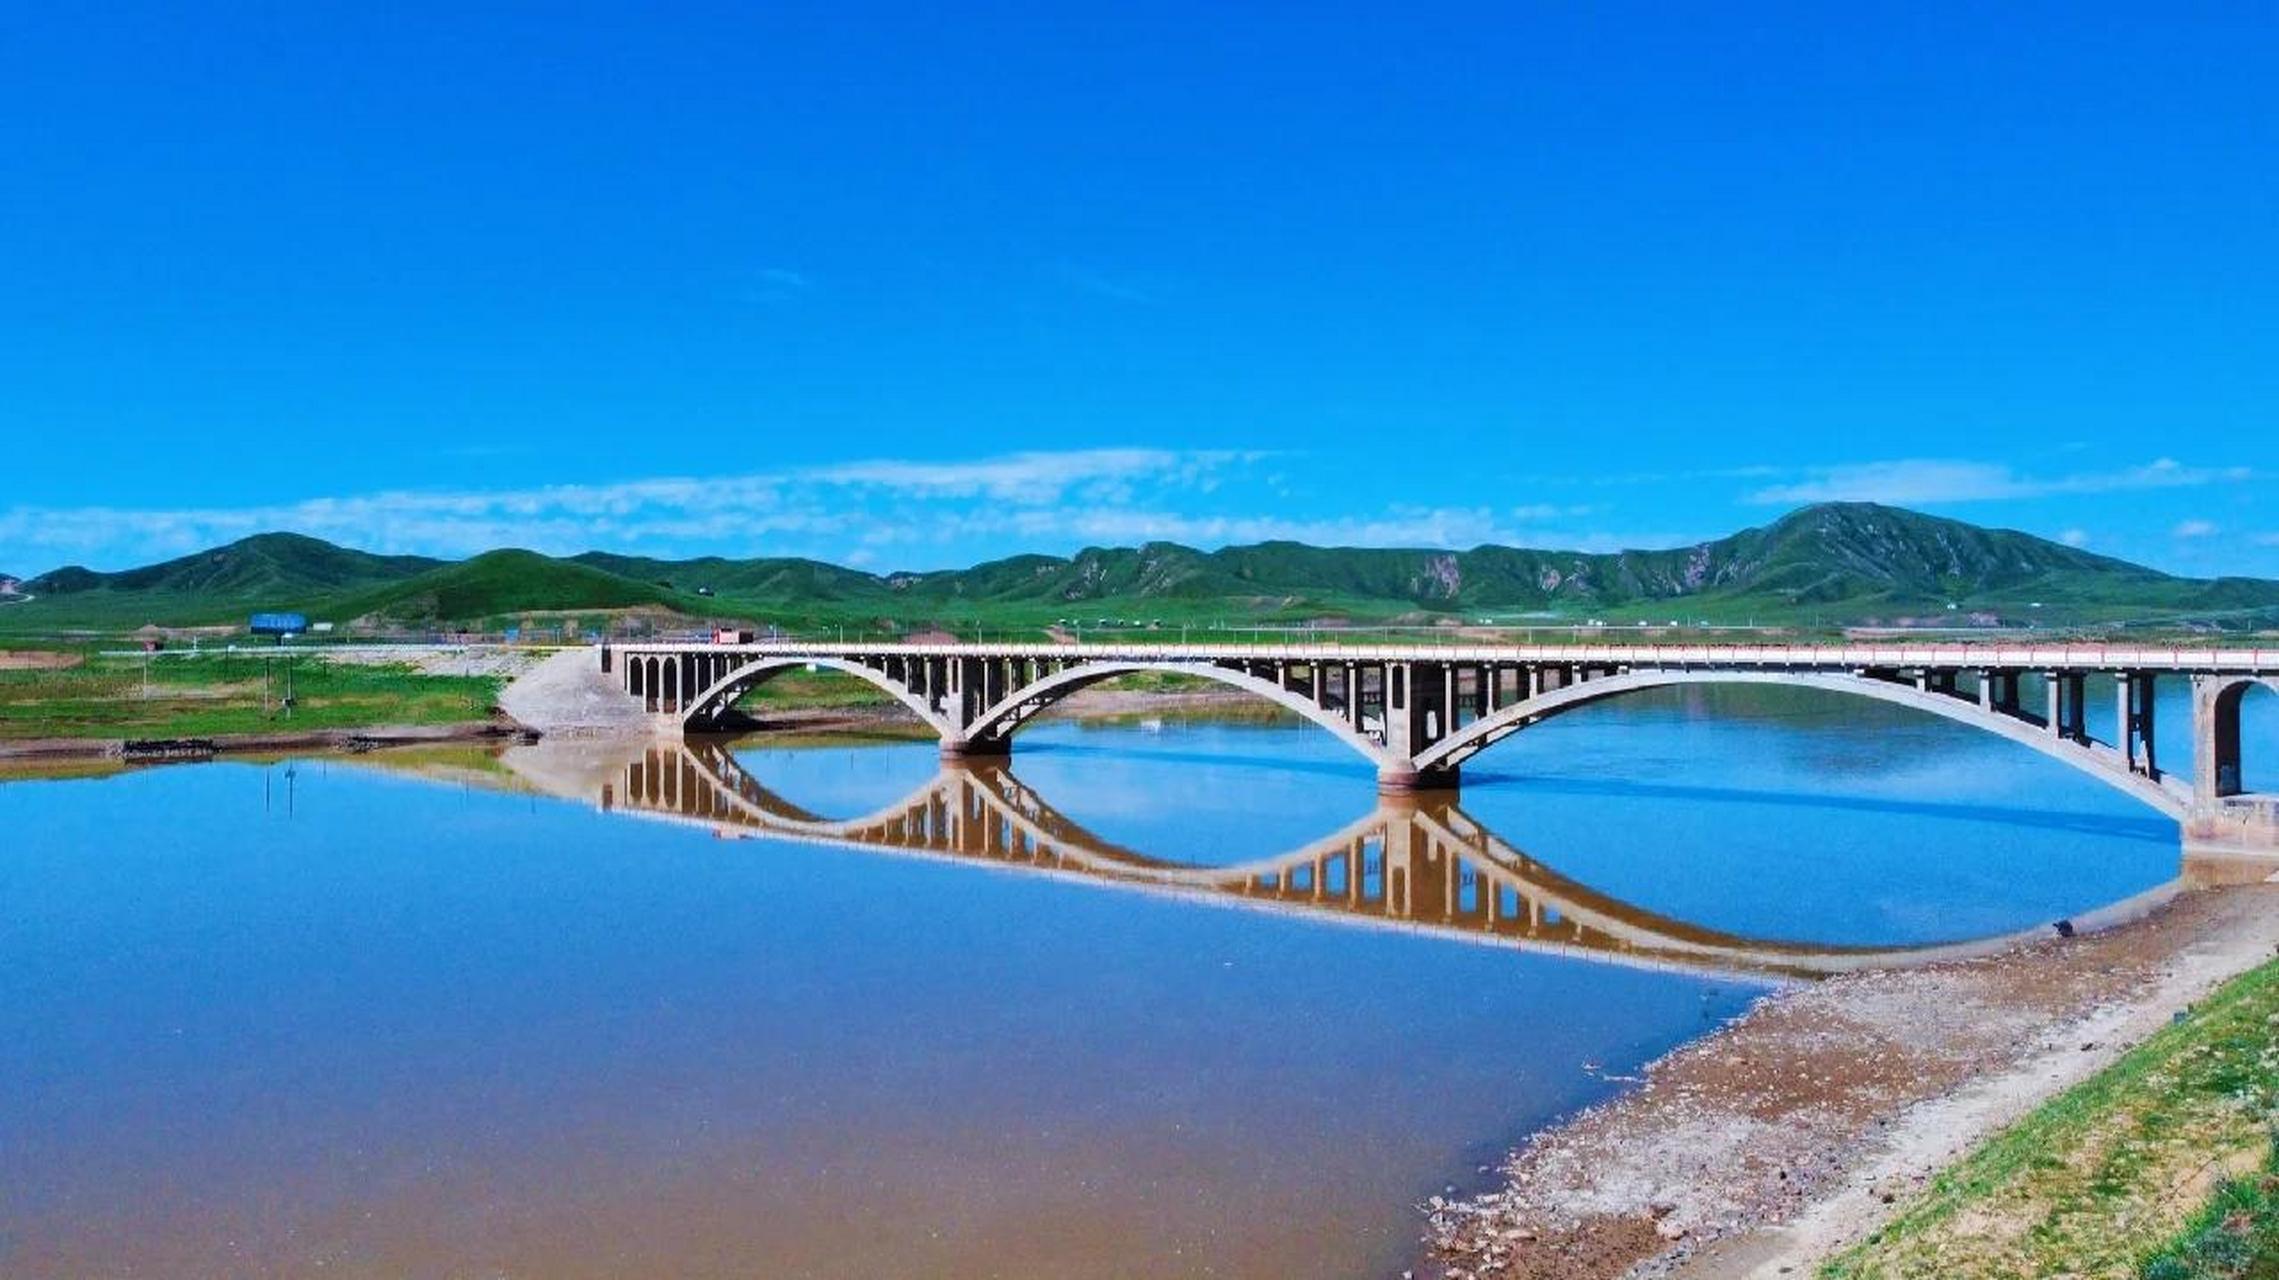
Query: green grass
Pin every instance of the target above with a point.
(2102, 1179)
(818, 689)
(207, 696)
(2234, 1237)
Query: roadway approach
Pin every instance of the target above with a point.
(1419, 712)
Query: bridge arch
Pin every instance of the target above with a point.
(998, 723)
(2101, 762)
(716, 698)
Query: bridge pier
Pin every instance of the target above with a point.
(2237, 829)
(1406, 779)
(977, 748)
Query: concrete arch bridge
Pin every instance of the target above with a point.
(1419, 712)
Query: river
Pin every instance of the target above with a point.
(1156, 999)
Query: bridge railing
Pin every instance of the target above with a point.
(2099, 657)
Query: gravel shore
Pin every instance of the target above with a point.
(1790, 1133)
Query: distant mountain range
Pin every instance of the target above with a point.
(1836, 562)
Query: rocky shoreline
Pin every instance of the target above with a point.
(1792, 1131)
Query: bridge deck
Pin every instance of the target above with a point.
(1995, 657)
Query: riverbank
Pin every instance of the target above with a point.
(53, 701)
(21, 753)
(2167, 1153)
(1795, 1131)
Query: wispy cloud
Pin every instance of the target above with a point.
(1929, 481)
(878, 511)
(2196, 529)
(1102, 285)
(819, 508)
(2074, 537)
(1398, 526)
(778, 284)
(1034, 477)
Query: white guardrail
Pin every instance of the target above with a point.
(2075, 657)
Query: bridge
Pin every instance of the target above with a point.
(1419, 863)
(1419, 712)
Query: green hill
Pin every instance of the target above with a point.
(499, 582)
(774, 578)
(1833, 563)
(269, 570)
(266, 562)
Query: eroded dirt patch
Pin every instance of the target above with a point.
(38, 660)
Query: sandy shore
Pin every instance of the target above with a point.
(1790, 1133)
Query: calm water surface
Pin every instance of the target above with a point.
(374, 1024)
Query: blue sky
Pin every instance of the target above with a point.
(906, 288)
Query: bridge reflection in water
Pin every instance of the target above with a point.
(1417, 862)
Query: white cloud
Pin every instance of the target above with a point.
(1034, 478)
(1422, 527)
(2196, 529)
(823, 508)
(778, 284)
(2074, 537)
(1924, 481)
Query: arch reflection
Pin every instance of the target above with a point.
(1417, 862)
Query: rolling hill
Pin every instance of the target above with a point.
(1838, 562)
(500, 582)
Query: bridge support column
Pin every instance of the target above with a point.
(2133, 715)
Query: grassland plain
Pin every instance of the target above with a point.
(243, 693)
(2159, 1167)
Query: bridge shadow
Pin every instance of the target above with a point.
(1360, 771)
(1418, 863)
(2149, 828)
(2152, 829)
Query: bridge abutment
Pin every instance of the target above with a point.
(2241, 829)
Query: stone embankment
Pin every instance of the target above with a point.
(568, 693)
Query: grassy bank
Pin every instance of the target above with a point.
(229, 694)
(2159, 1167)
